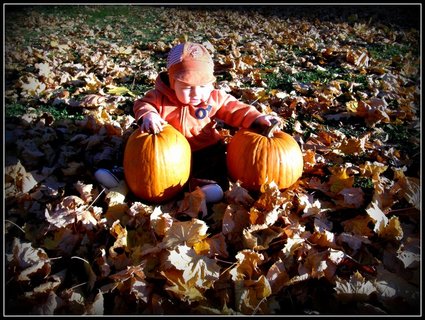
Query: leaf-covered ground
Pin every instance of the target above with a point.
(345, 239)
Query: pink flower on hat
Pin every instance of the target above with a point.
(191, 63)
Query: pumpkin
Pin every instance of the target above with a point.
(157, 166)
(256, 158)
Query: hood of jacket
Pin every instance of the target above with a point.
(162, 84)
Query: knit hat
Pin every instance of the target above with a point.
(191, 63)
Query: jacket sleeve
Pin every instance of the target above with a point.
(146, 104)
(236, 113)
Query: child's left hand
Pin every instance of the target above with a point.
(265, 121)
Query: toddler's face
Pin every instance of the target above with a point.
(192, 95)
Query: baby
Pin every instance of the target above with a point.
(185, 97)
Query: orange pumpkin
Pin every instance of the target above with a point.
(157, 166)
(256, 158)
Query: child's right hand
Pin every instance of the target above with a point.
(152, 123)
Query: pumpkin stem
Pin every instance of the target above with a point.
(268, 132)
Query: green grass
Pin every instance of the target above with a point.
(400, 135)
(381, 51)
(363, 182)
(284, 81)
(16, 110)
(129, 23)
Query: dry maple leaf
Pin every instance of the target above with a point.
(259, 237)
(316, 265)
(193, 203)
(409, 252)
(296, 245)
(65, 212)
(357, 288)
(160, 221)
(309, 205)
(182, 290)
(18, 179)
(28, 261)
(277, 276)
(131, 280)
(52, 283)
(64, 240)
(186, 232)
(340, 179)
(48, 306)
(410, 188)
(235, 219)
(384, 227)
(358, 57)
(238, 195)
(393, 230)
(247, 265)
(250, 295)
(353, 198)
(354, 241)
(212, 246)
(85, 191)
(198, 270)
(373, 112)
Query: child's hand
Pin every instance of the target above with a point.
(152, 123)
(265, 121)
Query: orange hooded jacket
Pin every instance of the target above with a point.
(195, 123)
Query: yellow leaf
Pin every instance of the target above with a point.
(120, 91)
(353, 146)
(358, 226)
(184, 291)
(125, 51)
(393, 230)
(213, 246)
(351, 105)
(120, 234)
(340, 180)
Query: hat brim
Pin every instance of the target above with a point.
(194, 78)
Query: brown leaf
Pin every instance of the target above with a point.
(193, 203)
(29, 261)
(238, 195)
(186, 232)
(247, 265)
(250, 295)
(213, 246)
(178, 287)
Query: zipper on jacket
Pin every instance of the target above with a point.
(183, 119)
